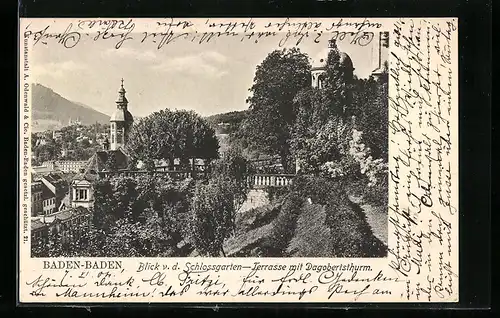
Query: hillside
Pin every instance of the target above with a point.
(227, 123)
(52, 111)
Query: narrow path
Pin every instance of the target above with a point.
(375, 216)
(255, 199)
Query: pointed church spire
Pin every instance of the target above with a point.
(122, 100)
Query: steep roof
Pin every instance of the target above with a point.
(53, 178)
(100, 161)
(36, 224)
(59, 216)
(56, 180)
(90, 170)
(122, 115)
(47, 193)
(119, 157)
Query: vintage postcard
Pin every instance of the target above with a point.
(219, 160)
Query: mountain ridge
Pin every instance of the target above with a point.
(50, 110)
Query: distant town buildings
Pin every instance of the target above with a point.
(47, 193)
(68, 166)
(57, 185)
(75, 122)
(48, 201)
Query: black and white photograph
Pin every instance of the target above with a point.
(224, 149)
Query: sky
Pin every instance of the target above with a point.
(208, 78)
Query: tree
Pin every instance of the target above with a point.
(328, 144)
(104, 204)
(338, 83)
(144, 144)
(234, 169)
(171, 135)
(125, 196)
(277, 80)
(370, 107)
(213, 216)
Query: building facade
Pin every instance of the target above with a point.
(82, 194)
(48, 201)
(319, 66)
(57, 185)
(68, 166)
(36, 198)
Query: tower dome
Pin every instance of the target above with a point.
(345, 61)
(319, 63)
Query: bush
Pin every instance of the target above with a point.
(311, 186)
(284, 225)
(213, 209)
(277, 193)
(352, 234)
(378, 194)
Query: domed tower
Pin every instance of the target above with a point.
(318, 69)
(120, 122)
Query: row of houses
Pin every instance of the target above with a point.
(52, 212)
(48, 194)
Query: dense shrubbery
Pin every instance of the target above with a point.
(316, 188)
(284, 225)
(214, 216)
(215, 203)
(142, 217)
(352, 236)
(275, 194)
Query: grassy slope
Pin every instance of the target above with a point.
(311, 238)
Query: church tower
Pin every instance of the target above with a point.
(120, 122)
